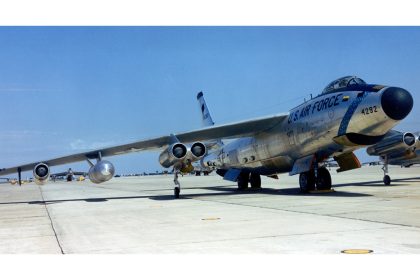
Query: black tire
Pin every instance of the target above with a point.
(387, 180)
(307, 181)
(323, 181)
(177, 191)
(255, 181)
(243, 180)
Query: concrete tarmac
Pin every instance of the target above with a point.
(140, 215)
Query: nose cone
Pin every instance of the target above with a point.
(396, 103)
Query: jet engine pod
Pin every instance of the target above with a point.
(198, 150)
(41, 173)
(392, 144)
(101, 172)
(173, 154)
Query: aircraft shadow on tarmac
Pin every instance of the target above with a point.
(215, 191)
(282, 191)
(380, 183)
(232, 190)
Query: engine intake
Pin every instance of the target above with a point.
(41, 173)
(101, 172)
(197, 151)
(173, 154)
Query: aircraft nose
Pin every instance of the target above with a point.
(396, 103)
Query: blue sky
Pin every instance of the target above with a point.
(69, 89)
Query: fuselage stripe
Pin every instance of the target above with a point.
(349, 114)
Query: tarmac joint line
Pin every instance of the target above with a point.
(51, 221)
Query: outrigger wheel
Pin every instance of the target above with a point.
(177, 190)
(387, 180)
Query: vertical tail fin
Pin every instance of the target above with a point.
(205, 114)
(206, 119)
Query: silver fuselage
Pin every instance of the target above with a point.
(310, 129)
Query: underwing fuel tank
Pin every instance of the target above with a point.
(392, 144)
(101, 172)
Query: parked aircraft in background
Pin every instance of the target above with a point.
(198, 170)
(69, 175)
(397, 148)
(347, 115)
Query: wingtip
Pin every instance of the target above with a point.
(199, 95)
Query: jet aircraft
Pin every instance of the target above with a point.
(69, 175)
(347, 115)
(397, 148)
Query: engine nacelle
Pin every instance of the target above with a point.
(101, 172)
(41, 173)
(173, 154)
(197, 151)
(392, 144)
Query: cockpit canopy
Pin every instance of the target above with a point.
(342, 83)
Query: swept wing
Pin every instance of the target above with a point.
(233, 130)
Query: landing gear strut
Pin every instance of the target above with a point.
(387, 179)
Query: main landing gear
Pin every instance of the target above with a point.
(246, 178)
(319, 179)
